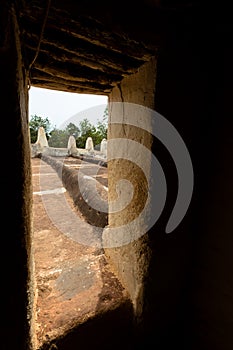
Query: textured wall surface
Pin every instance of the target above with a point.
(16, 278)
(130, 261)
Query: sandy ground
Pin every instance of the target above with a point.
(73, 279)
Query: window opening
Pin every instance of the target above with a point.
(72, 277)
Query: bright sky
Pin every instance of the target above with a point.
(59, 106)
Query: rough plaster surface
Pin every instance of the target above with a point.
(41, 137)
(18, 291)
(130, 261)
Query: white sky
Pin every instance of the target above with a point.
(59, 106)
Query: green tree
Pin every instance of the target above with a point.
(34, 124)
(96, 132)
(105, 116)
(86, 129)
(59, 138)
(102, 125)
(101, 129)
(72, 129)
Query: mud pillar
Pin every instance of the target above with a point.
(16, 261)
(129, 259)
(41, 138)
(89, 146)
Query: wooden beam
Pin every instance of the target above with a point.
(59, 55)
(73, 72)
(68, 88)
(38, 75)
(89, 30)
(53, 40)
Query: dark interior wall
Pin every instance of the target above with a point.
(212, 288)
(15, 189)
(190, 291)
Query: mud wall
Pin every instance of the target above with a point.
(16, 255)
(130, 260)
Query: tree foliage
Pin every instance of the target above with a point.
(34, 124)
(59, 138)
(96, 132)
(86, 130)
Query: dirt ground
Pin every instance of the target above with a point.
(73, 279)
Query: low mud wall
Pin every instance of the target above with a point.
(84, 190)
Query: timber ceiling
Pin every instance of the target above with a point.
(89, 46)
